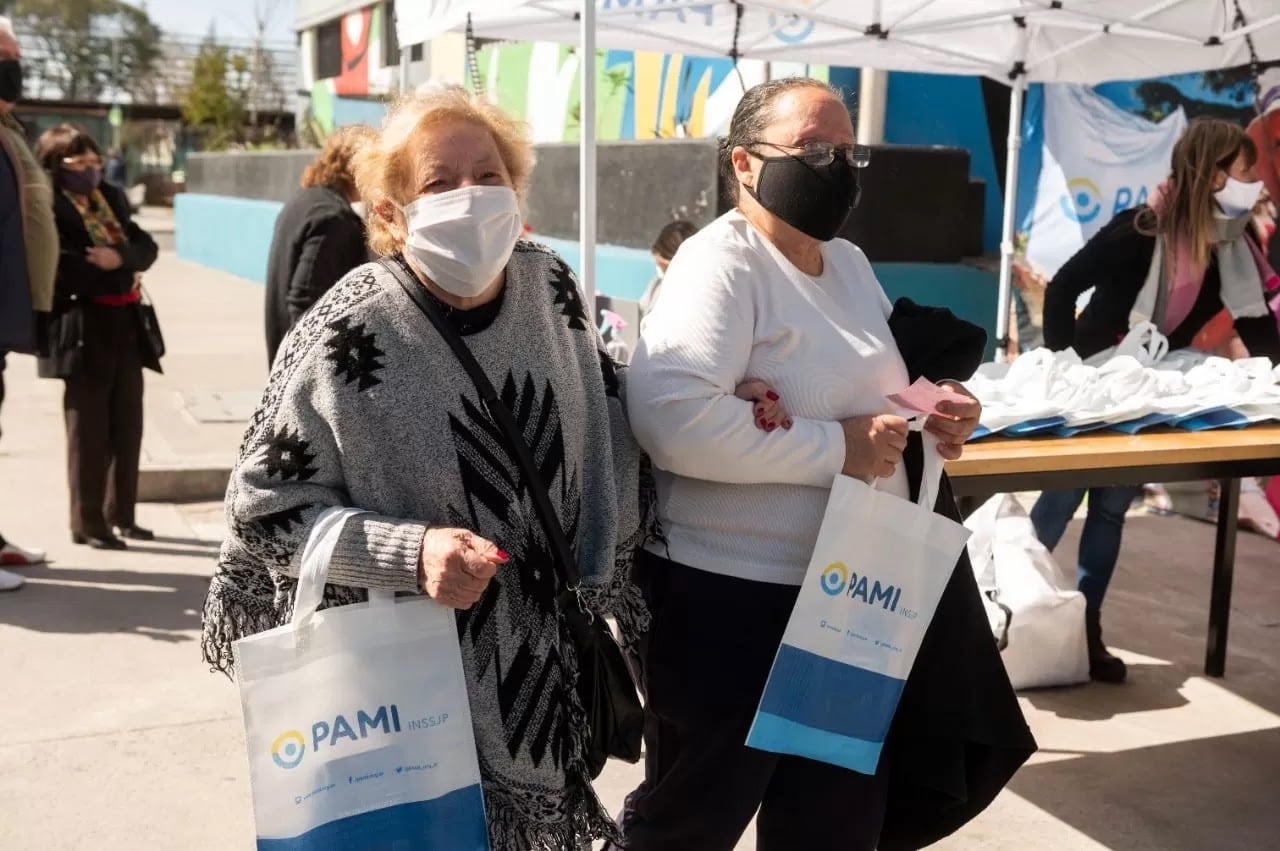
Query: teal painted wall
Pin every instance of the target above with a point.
(225, 233)
(234, 235)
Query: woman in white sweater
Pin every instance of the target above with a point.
(766, 291)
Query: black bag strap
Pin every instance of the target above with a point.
(501, 416)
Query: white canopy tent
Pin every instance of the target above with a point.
(1015, 41)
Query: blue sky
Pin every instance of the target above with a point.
(234, 19)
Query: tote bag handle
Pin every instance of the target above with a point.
(930, 473)
(316, 554)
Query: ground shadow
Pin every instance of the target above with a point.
(1158, 606)
(208, 551)
(72, 600)
(1214, 793)
(1149, 688)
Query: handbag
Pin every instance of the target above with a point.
(150, 325)
(878, 572)
(347, 748)
(605, 684)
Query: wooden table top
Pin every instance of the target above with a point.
(1109, 450)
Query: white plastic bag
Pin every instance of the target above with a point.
(1037, 614)
(878, 571)
(357, 722)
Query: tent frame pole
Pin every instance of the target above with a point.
(587, 158)
(1005, 296)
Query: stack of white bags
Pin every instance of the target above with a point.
(1137, 385)
(1036, 613)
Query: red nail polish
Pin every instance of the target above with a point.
(771, 427)
(761, 423)
(502, 554)
(787, 423)
(772, 397)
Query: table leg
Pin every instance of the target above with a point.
(1224, 563)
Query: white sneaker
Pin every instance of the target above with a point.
(10, 581)
(12, 555)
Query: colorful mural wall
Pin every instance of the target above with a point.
(639, 95)
(352, 97)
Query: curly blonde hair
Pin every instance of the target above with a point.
(333, 166)
(384, 166)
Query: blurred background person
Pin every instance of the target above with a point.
(664, 248)
(319, 236)
(28, 249)
(93, 339)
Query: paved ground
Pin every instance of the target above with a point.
(113, 736)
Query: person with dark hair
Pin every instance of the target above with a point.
(319, 237)
(1176, 262)
(664, 248)
(28, 250)
(93, 339)
(768, 291)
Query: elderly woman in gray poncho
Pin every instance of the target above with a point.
(368, 407)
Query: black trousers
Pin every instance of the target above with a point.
(102, 406)
(706, 660)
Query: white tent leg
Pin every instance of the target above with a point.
(1005, 297)
(873, 92)
(587, 159)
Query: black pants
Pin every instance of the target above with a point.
(706, 661)
(102, 405)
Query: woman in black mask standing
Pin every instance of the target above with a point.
(766, 291)
(93, 339)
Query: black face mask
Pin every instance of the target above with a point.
(10, 80)
(815, 200)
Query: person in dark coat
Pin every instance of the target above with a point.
(318, 238)
(93, 339)
(1176, 262)
(28, 249)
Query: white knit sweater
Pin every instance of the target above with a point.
(735, 500)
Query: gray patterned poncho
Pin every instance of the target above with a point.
(367, 407)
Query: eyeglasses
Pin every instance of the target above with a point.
(819, 154)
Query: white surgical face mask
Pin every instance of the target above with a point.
(1238, 197)
(463, 238)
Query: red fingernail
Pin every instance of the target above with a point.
(502, 554)
(771, 427)
(787, 423)
(772, 397)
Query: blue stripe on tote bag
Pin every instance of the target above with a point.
(357, 722)
(877, 573)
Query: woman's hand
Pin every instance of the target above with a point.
(455, 566)
(955, 422)
(769, 411)
(873, 446)
(106, 259)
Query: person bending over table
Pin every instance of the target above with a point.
(1208, 260)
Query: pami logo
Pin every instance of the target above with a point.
(290, 747)
(838, 579)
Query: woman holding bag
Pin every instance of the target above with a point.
(1177, 262)
(94, 338)
(367, 406)
(768, 291)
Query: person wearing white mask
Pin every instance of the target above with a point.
(367, 406)
(1177, 262)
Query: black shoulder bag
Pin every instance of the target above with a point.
(605, 684)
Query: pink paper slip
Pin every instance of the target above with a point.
(924, 396)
